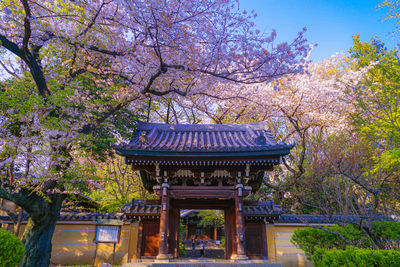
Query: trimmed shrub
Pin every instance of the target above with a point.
(387, 234)
(352, 257)
(309, 238)
(11, 249)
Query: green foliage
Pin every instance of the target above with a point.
(120, 184)
(392, 8)
(222, 245)
(11, 249)
(353, 257)
(182, 229)
(181, 248)
(386, 229)
(308, 239)
(211, 218)
(377, 113)
(110, 203)
(387, 234)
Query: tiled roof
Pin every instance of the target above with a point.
(185, 213)
(310, 218)
(77, 216)
(139, 207)
(186, 138)
(304, 218)
(89, 216)
(263, 208)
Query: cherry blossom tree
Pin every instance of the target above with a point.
(331, 169)
(298, 107)
(392, 13)
(340, 179)
(77, 68)
(352, 169)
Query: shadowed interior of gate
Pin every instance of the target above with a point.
(200, 228)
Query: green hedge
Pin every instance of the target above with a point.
(386, 235)
(11, 249)
(307, 239)
(352, 257)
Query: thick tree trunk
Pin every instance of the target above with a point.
(39, 231)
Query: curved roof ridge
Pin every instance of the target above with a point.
(256, 126)
(156, 139)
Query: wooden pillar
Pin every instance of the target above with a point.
(187, 231)
(227, 232)
(230, 229)
(177, 228)
(163, 243)
(240, 230)
(215, 233)
(173, 236)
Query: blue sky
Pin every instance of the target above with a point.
(330, 23)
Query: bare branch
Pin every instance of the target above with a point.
(88, 128)
(12, 73)
(27, 25)
(92, 22)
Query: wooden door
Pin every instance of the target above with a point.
(255, 240)
(150, 238)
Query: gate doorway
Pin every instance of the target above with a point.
(203, 167)
(182, 230)
(226, 209)
(202, 234)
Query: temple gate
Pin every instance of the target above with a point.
(202, 167)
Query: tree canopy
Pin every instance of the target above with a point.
(81, 72)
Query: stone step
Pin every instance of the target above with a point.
(203, 264)
(213, 253)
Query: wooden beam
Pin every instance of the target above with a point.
(218, 204)
(226, 192)
(208, 157)
(178, 187)
(197, 169)
(203, 193)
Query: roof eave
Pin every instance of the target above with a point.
(230, 154)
